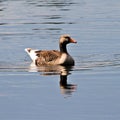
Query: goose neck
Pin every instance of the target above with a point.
(63, 48)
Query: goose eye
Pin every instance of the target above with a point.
(67, 39)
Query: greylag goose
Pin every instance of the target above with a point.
(53, 57)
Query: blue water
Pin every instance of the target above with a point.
(89, 90)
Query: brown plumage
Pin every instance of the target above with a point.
(46, 57)
(53, 57)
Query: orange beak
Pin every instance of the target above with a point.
(73, 41)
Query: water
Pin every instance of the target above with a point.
(87, 91)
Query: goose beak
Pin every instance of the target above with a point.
(73, 41)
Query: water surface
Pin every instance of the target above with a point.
(87, 91)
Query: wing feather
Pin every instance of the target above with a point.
(47, 57)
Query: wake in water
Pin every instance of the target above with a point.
(97, 60)
(87, 62)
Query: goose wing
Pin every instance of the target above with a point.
(46, 57)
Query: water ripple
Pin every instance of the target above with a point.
(83, 63)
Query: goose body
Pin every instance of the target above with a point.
(53, 57)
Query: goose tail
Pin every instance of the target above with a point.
(32, 53)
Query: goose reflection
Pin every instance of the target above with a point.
(65, 88)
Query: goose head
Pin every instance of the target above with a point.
(64, 40)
